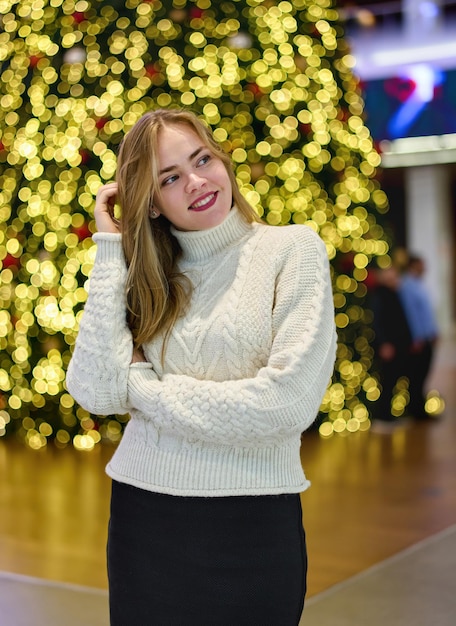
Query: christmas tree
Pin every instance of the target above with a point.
(272, 78)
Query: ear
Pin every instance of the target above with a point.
(153, 213)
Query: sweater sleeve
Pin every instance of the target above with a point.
(98, 371)
(285, 394)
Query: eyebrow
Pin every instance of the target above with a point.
(192, 156)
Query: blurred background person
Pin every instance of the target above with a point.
(423, 326)
(393, 341)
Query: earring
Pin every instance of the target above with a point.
(154, 214)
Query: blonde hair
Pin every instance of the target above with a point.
(157, 293)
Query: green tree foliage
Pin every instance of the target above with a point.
(272, 78)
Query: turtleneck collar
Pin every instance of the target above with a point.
(200, 245)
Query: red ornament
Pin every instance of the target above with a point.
(11, 261)
(255, 89)
(347, 264)
(101, 122)
(35, 59)
(82, 231)
(152, 69)
(78, 17)
(196, 13)
(85, 156)
(305, 129)
(371, 280)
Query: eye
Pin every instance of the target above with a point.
(204, 159)
(169, 180)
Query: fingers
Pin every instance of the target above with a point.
(106, 197)
(104, 209)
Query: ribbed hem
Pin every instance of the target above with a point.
(141, 365)
(109, 247)
(208, 471)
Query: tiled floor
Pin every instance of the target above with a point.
(26, 601)
(380, 520)
(413, 588)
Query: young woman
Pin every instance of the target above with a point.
(216, 333)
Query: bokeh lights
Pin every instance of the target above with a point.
(274, 80)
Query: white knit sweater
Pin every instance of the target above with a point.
(246, 367)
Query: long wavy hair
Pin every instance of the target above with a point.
(157, 293)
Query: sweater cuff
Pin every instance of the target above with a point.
(109, 246)
(141, 365)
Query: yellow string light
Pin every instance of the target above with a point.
(273, 78)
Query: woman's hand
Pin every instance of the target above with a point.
(104, 209)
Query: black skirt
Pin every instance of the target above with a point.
(223, 561)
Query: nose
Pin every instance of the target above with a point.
(194, 182)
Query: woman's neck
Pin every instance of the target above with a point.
(204, 244)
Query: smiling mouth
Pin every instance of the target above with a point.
(204, 203)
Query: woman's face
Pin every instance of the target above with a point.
(195, 189)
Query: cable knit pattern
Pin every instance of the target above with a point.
(98, 374)
(246, 367)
